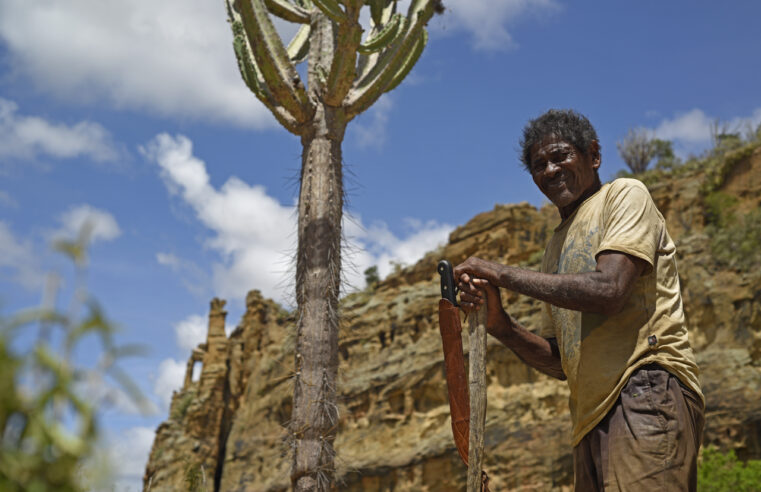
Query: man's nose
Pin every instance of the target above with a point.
(551, 169)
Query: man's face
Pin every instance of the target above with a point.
(563, 173)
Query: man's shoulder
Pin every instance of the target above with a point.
(621, 184)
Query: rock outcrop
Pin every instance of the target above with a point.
(226, 430)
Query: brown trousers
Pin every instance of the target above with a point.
(649, 440)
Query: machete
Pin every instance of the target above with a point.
(469, 445)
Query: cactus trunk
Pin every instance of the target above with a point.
(314, 419)
(338, 89)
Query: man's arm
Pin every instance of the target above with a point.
(540, 353)
(603, 291)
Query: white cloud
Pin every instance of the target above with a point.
(18, 258)
(128, 455)
(191, 331)
(172, 58)
(369, 129)
(171, 375)
(253, 233)
(691, 131)
(488, 20)
(690, 127)
(103, 225)
(28, 137)
(385, 249)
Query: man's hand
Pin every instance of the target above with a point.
(475, 291)
(477, 268)
(538, 352)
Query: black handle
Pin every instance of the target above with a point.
(448, 289)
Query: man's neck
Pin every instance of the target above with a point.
(566, 211)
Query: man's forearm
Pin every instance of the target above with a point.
(540, 353)
(603, 291)
(587, 292)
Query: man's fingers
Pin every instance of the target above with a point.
(469, 289)
(469, 307)
(480, 283)
(470, 298)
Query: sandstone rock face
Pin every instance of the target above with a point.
(227, 430)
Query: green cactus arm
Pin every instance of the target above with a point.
(353, 4)
(288, 11)
(390, 63)
(367, 90)
(271, 57)
(332, 9)
(253, 78)
(298, 48)
(344, 65)
(382, 38)
(409, 62)
(381, 11)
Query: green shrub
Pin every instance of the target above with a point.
(735, 237)
(181, 408)
(371, 277)
(724, 472)
(48, 428)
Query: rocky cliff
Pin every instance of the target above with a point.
(225, 431)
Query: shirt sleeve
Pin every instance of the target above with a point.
(631, 222)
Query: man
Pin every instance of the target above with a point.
(616, 328)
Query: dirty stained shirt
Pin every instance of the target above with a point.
(599, 352)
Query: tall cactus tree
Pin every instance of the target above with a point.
(346, 73)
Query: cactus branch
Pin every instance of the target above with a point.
(332, 9)
(288, 11)
(381, 11)
(391, 62)
(343, 67)
(298, 48)
(253, 78)
(382, 38)
(272, 59)
(409, 62)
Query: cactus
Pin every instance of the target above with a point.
(345, 76)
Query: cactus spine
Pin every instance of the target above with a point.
(345, 76)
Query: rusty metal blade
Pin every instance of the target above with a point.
(457, 380)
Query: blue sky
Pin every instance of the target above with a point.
(132, 115)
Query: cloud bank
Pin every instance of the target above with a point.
(29, 137)
(691, 131)
(171, 58)
(487, 21)
(174, 58)
(254, 235)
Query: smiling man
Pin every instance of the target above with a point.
(614, 327)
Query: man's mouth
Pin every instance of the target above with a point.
(556, 182)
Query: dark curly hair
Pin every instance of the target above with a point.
(564, 124)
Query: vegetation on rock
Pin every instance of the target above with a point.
(723, 472)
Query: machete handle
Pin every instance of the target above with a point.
(448, 288)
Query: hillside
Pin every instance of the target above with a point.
(227, 429)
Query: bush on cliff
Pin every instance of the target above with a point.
(724, 472)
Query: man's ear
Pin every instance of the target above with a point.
(594, 154)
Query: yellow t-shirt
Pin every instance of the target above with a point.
(600, 352)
